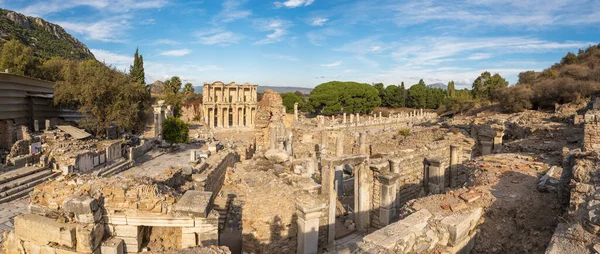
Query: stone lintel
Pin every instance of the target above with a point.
(434, 162)
(194, 203)
(309, 211)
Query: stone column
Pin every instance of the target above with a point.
(339, 145)
(454, 155)
(308, 227)
(328, 191)
(435, 175)
(357, 118)
(219, 116)
(322, 120)
(247, 116)
(48, 127)
(344, 119)
(211, 118)
(486, 147)
(310, 166)
(351, 118)
(380, 116)
(395, 169)
(363, 147)
(362, 201)
(296, 111)
(498, 140)
(387, 211)
(234, 113)
(227, 108)
(158, 119)
(36, 126)
(192, 155)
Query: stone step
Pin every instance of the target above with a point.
(18, 173)
(26, 190)
(110, 166)
(24, 180)
(118, 168)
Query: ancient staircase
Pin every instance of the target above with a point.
(220, 205)
(116, 167)
(20, 182)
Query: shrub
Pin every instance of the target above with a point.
(174, 130)
(404, 132)
(515, 99)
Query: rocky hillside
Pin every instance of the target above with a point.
(47, 39)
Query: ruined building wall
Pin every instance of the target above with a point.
(591, 138)
(6, 134)
(213, 177)
(269, 118)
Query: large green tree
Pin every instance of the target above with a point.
(172, 85)
(380, 90)
(104, 95)
(351, 97)
(172, 95)
(393, 97)
(17, 58)
(417, 96)
(485, 85)
(136, 71)
(289, 99)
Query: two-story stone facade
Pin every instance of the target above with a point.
(229, 105)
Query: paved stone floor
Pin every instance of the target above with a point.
(9, 210)
(149, 165)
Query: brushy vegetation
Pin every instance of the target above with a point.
(404, 132)
(174, 130)
(574, 78)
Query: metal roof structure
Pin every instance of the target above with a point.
(75, 132)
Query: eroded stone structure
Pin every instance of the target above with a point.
(229, 105)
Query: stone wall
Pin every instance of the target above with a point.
(144, 147)
(591, 138)
(422, 232)
(113, 151)
(212, 175)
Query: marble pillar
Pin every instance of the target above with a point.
(308, 227)
(387, 211)
(339, 145)
(454, 155)
(296, 111)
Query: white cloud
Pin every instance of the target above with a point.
(232, 11)
(319, 21)
(479, 56)
(277, 27)
(334, 64)
(148, 22)
(44, 7)
(282, 57)
(371, 44)
(108, 30)
(121, 62)
(317, 37)
(176, 52)
(166, 42)
(293, 3)
(218, 36)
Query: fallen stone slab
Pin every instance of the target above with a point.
(43, 231)
(194, 203)
(470, 197)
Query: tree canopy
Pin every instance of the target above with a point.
(289, 99)
(17, 58)
(188, 89)
(351, 97)
(485, 85)
(175, 130)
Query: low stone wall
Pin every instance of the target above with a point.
(144, 147)
(422, 232)
(113, 151)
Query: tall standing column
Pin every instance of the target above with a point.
(344, 119)
(362, 201)
(234, 116)
(435, 176)
(339, 145)
(363, 147)
(351, 118)
(308, 227)
(219, 117)
(226, 112)
(296, 111)
(454, 155)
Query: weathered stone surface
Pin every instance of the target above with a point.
(194, 203)
(277, 156)
(89, 237)
(127, 231)
(402, 232)
(42, 230)
(459, 225)
(112, 246)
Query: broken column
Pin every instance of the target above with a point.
(344, 119)
(159, 117)
(387, 211)
(351, 118)
(454, 155)
(357, 118)
(193, 155)
(36, 126)
(498, 139)
(486, 145)
(363, 147)
(48, 127)
(435, 176)
(308, 227)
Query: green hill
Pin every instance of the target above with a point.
(48, 40)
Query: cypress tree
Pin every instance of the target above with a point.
(451, 90)
(136, 71)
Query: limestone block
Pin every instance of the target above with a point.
(161, 221)
(79, 205)
(112, 246)
(89, 237)
(188, 240)
(127, 231)
(42, 230)
(131, 244)
(208, 238)
(277, 156)
(194, 203)
(459, 225)
(12, 244)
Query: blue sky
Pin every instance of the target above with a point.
(308, 42)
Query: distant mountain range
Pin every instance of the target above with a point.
(47, 39)
(279, 89)
(438, 85)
